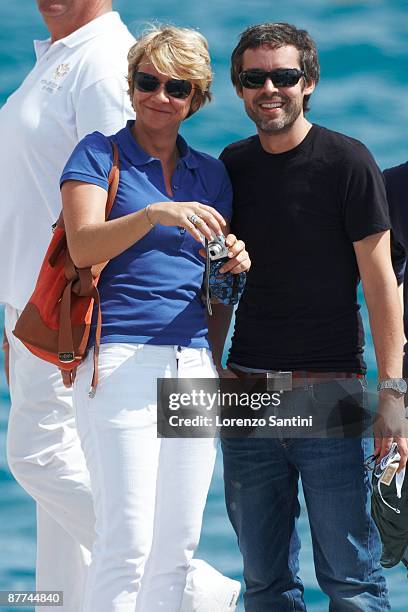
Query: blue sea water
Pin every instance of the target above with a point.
(363, 92)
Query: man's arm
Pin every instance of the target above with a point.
(6, 351)
(401, 296)
(218, 325)
(384, 309)
(220, 320)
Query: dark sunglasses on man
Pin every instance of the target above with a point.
(282, 77)
(148, 83)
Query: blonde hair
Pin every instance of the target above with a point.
(178, 52)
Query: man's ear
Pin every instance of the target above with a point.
(309, 88)
(239, 92)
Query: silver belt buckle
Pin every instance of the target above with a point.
(279, 381)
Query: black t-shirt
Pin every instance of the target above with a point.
(299, 213)
(396, 180)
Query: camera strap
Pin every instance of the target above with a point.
(206, 292)
(225, 288)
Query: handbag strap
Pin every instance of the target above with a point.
(66, 351)
(113, 183)
(113, 180)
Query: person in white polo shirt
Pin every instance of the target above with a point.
(77, 86)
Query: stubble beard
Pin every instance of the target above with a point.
(290, 113)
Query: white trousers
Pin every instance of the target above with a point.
(149, 493)
(45, 456)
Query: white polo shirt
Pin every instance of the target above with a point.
(78, 85)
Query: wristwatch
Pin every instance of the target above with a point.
(395, 384)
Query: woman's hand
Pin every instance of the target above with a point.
(208, 221)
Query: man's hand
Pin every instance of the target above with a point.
(225, 373)
(6, 351)
(238, 256)
(391, 426)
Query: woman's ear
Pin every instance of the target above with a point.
(130, 91)
(195, 104)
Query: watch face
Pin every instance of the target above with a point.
(401, 386)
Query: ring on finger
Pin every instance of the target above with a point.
(195, 219)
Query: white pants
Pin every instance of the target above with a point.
(149, 493)
(45, 456)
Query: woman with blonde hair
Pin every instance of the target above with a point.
(149, 493)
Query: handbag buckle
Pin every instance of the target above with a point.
(67, 357)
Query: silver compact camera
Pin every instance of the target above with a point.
(217, 248)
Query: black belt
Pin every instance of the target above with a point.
(278, 380)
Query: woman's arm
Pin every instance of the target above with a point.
(92, 240)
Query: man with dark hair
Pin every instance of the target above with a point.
(310, 204)
(281, 35)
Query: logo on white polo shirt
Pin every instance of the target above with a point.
(61, 71)
(52, 85)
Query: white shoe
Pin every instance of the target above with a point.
(207, 590)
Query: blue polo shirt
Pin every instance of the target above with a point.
(151, 293)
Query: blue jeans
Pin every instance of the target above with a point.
(261, 488)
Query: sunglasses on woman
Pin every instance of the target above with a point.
(148, 83)
(282, 77)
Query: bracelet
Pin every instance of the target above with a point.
(147, 215)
